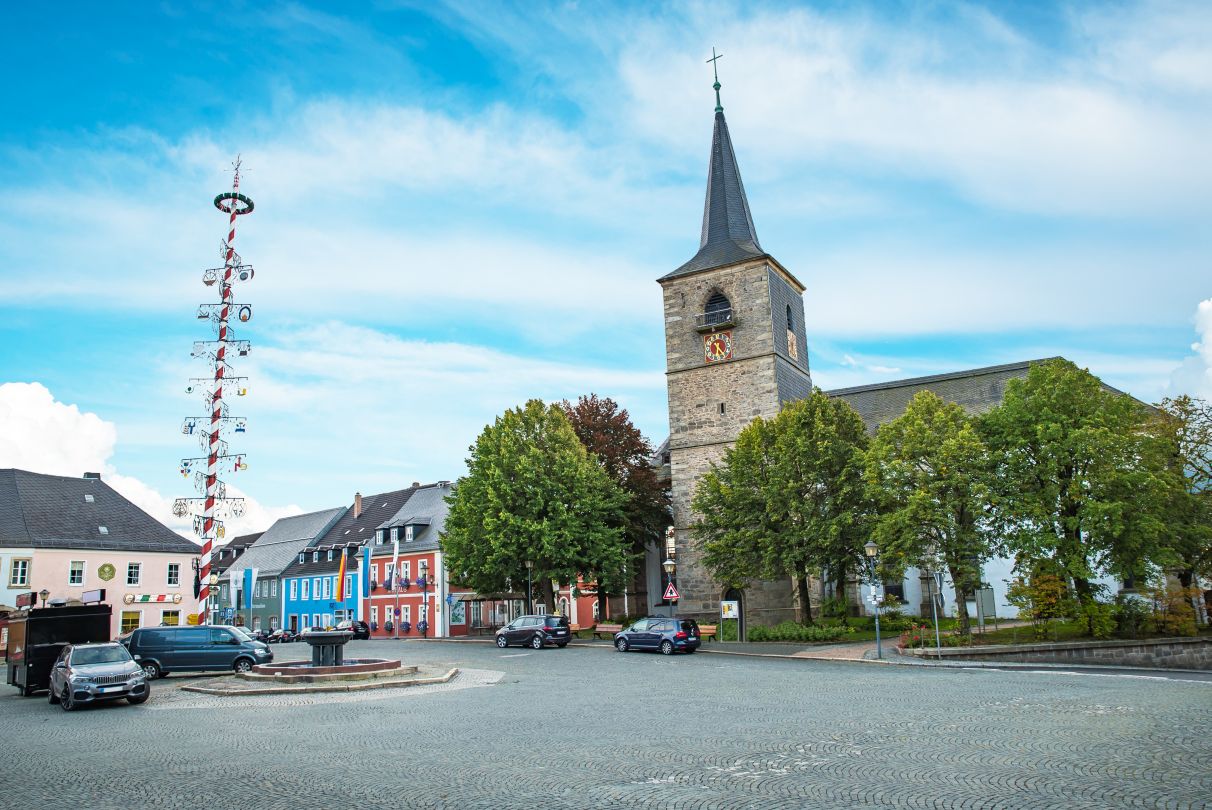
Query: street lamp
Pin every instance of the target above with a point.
(670, 566)
(872, 551)
(423, 581)
(45, 594)
(529, 599)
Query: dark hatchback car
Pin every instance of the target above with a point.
(660, 633)
(535, 631)
(360, 630)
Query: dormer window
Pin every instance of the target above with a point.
(88, 498)
(717, 313)
(315, 556)
(301, 556)
(330, 555)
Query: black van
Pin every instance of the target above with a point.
(160, 650)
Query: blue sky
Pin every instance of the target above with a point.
(463, 206)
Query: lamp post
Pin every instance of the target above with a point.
(529, 599)
(872, 551)
(45, 594)
(670, 566)
(423, 581)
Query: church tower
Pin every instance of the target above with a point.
(735, 349)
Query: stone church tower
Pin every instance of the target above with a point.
(735, 349)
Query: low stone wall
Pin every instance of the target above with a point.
(1164, 653)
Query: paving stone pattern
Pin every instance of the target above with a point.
(587, 727)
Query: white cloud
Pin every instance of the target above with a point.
(1194, 376)
(40, 434)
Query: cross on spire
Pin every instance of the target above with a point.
(715, 69)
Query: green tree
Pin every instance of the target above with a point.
(1187, 423)
(927, 474)
(608, 433)
(1080, 479)
(533, 492)
(788, 499)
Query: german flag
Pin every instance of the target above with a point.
(341, 578)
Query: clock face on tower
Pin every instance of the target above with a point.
(717, 346)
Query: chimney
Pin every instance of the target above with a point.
(416, 484)
(357, 505)
(94, 476)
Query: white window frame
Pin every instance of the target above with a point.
(138, 571)
(327, 588)
(406, 614)
(273, 588)
(348, 585)
(406, 568)
(374, 614)
(22, 565)
(71, 569)
(315, 587)
(305, 592)
(294, 591)
(168, 576)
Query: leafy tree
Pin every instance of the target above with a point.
(788, 499)
(1187, 423)
(927, 474)
(608, 433)
(1079, 477)
(533, 492)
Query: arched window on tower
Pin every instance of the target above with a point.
(792, 344)
(719, 310)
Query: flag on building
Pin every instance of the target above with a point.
(341, 577)
(250, 579)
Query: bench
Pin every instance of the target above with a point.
(610, 629)
(708, 631)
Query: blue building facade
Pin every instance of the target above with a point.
(309, 587)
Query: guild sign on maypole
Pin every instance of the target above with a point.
(213, 506)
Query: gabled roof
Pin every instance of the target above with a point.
(225, 555)
(350, 529)
(426, 510)
(54, 511)
(728, 235)
(282, 541)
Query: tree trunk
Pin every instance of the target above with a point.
(839, 592)
(961, 602)
(805, 599)
(547, 595)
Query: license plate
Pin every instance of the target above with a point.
(110, 689)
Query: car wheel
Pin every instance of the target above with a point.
(151, 670)
(537, 642)
(666, 647)
(242, 665)
(620, 644)
(51, 697)
(65, 700)
(135, 700)
(502, 642)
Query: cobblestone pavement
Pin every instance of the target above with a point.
(587, 727)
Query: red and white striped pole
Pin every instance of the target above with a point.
(212, 461)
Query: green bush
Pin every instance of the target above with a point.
(794, 631)
(1132, 615)
(1099, 617)
(834, 608)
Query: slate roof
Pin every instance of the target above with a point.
(51, 511)
(426, 510)
(350, 529)
(728, 235)
(220, 564)
(976, 390)
(282, 541)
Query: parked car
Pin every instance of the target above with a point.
(359, 629)
(88, 673)
(669, 635)
(160, 650)
(256, 635)
(280, 636)
(535, 631)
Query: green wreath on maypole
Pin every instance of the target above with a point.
(228, 200)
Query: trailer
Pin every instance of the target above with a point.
(36, 636)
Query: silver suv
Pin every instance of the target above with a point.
(85, 673)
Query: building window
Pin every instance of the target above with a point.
(330, 555)
(75, 573)
(563, 606)
(406, 614)
(315, 556)
(597, 609)
(405, 569)
(327, 587)
(301, 556)
(273, 588)
(103, 530)
(718, 310)
(18, 573)
(541, 609)
(315, 588)
(174, 574)
(348, 585)
(896, 589)
(172, 618)
(133, 571)
(792, 345)
(130, 621)
(306, 583)
(374, 614)
(294, 592)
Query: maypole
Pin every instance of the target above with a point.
(214, 503)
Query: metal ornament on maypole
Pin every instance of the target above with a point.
(214, 505)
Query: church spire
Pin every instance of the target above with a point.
(728, 234)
